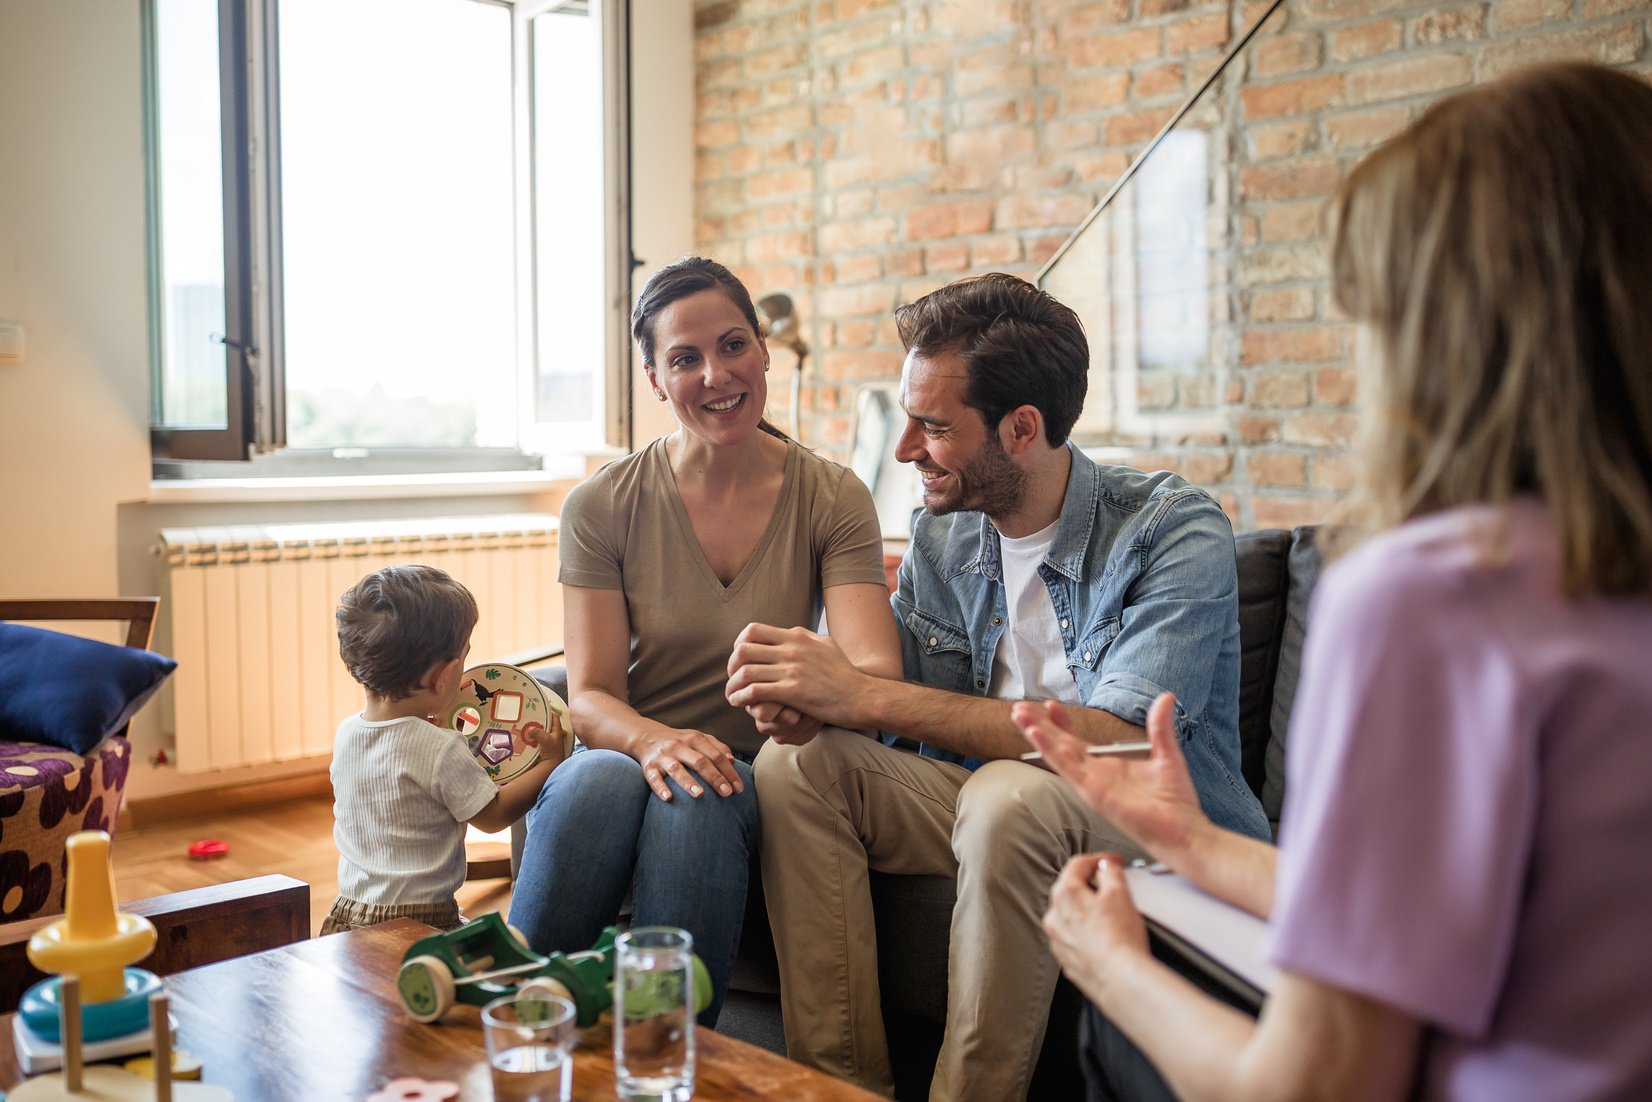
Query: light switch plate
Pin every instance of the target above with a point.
(11, 342)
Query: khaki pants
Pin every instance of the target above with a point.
(844, 803)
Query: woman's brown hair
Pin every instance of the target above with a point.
(1498, 252)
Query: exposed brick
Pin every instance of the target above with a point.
(1020, 213)
(948, 218)
(766, 185)
(859, 364)
(1281, 264)
(1304, 177)
(990, 144)
(1455, 25)
(1297, 344)
(1411, 77)
(1319, 430)
(1197, 34)
(1155, 391)
(714, 135)
(1509, 16)
(1207, 389)
(1136, 126)
(990, 252)
(1335, 472)
(1090, 93)
(1287, 304)
(1279, 390)
(1113, 48)
(1161, 80)
(948, 256)
(1290, 512)
(863, 268)
(1271, 141)
(1363, 129)
(862, 234)
(1607, 47)
(874, 298)
(1274, 468)
(1335, 386)
(1366, 39)
(1291, 53)
(1205, 468)
(766, 247)
(1256, 429)
(1040, 249)
(1599, 9)
(906, 262)
(1284, 222)
(1293, 97)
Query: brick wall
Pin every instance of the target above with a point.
(859, 153)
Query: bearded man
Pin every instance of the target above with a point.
(1032, 574)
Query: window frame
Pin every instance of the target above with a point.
(255, 370)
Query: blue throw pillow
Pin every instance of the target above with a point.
(71, 692)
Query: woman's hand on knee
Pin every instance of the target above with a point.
(695, 760)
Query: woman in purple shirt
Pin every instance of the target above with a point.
(1460, 900)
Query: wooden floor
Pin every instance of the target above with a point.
(294, 837)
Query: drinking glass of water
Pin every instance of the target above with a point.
(530, 1042)
(654, 1014)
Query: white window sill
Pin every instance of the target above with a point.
(354, 487)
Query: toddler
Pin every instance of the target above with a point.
(403, 788)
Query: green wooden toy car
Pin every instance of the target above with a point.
(485, 959)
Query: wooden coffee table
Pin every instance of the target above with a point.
(320, 1020)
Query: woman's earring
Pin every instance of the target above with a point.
(660, 394)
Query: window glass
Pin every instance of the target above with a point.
(190, 238)
(398, 223)
(569, 219)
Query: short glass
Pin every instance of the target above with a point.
(530, 1041)
(654, 1014)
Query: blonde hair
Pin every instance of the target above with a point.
(1497, 251)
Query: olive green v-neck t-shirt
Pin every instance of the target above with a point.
(625, 528)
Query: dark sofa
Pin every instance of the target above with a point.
(1277, 572)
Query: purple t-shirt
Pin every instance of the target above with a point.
(1467, 834)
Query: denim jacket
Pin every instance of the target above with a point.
(1143, 578)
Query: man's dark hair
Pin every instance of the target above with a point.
(1019, 345)
(396, 623)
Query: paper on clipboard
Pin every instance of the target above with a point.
(1229, 936)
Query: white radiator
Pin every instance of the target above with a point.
(259, 677)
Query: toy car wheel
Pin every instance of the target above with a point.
(425, 984)
(545, 985)
(519, 936)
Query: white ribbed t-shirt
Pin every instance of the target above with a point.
(1030, 662)
(403, 790)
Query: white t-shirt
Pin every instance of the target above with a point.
(403, 790)
(1030, 662)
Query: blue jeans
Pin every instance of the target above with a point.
(598, 829)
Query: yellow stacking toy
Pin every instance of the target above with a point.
(95, 997)
(93, 940)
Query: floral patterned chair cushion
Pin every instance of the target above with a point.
(47, 794)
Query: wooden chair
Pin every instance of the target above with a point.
(46, 803)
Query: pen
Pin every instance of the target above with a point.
(1139, 746)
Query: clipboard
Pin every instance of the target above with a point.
(1201, 936)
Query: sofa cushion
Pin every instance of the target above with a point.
(1263, 581)
(46, 794)
(1304, 564)
(71, 692)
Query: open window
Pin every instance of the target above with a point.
(386, 236)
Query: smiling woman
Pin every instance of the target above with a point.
(666, 556)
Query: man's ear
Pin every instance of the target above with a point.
(1020, 429)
